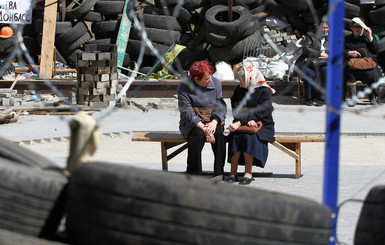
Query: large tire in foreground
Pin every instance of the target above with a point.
(116, 204)
(13, 238)
(370, 226)
(30, 199)
(22, 155)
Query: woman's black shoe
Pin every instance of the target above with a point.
(232, 179)
(245, 181)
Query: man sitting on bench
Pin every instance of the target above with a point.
(202, 114)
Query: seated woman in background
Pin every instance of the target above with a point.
(254, 97)
(361, 43)
(202, 114)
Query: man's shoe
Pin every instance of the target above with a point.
(351, 103)
(373, 101)
(309, 102)
(245, 181)
(319, 103)
(232, 179)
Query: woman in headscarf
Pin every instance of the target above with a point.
(361, 43)
(251, 103)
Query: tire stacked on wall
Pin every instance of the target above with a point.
(96, 21)
(32, 192)
(371, 223)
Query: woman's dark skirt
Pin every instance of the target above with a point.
(250, 144)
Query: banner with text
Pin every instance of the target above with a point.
(15, 12)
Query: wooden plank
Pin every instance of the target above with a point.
(174, 136)
(158, 136)
(15, 81)
(48, 38)
(286, 150)
(293, 139)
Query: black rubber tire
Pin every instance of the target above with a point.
(92, 16)
(379, 2)
(100, 41)
(351, 10)
(32, 45)
(300, 5)
(7, 43)
(161, 36)
(221, 40)
(348, 24)
(186, 59)
(216, 21)
(235, 2)
(133, 47)
(159, 3)
(115, 204)
(60, 57)
(28, 198)
(192, 5)
(309, 18)
(371, 223)
(109, 7)
(72, 57)
(77, 31)
(75, 11)
(63, 27)
(376, 16)
(183, 14)
(280, 9)
(379, 30)
(298, 24)
(231, 52)
(161, 22)
(38, 25)
(22, 155)
(77, 44)
(105, 27)
(14, 238)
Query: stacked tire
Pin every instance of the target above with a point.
(115, 204)
(370, 226)
(32, 192)
(228, 35)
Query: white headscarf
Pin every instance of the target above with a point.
(254, 78)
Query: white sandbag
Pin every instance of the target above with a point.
(223, 71)
(276, 69)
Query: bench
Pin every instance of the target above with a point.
(291, 145)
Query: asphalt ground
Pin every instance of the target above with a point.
(361, 157)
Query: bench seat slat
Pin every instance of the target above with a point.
(291, 145)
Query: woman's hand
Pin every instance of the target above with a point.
(210, 138)
(252, 123)
(324, 55)
(370, 34)
(211, 127)
(353, 54)
(232, 127)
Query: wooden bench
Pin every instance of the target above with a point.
(291, 145)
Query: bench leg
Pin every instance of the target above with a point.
(164, 147)
(298, 161)
(164, 156)
(297, 148)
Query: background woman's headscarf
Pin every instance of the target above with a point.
(254, 78)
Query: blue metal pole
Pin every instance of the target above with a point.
(334, 90)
